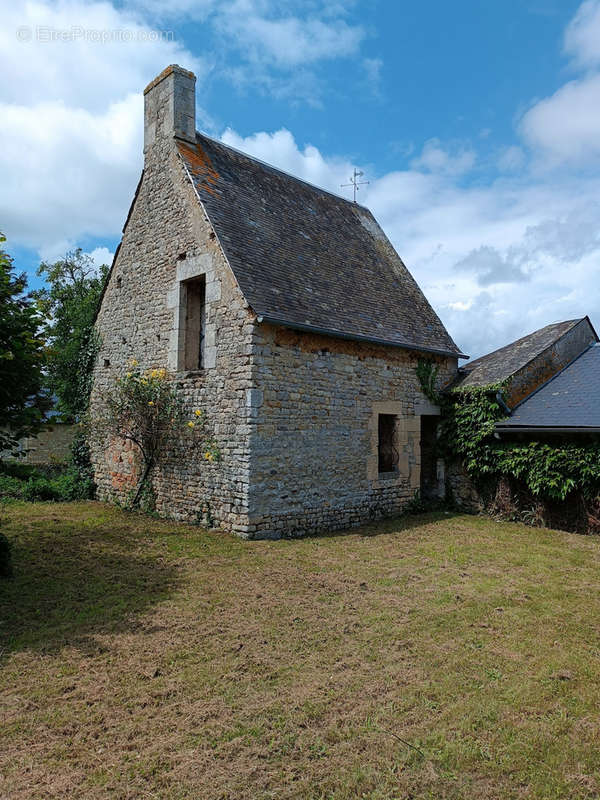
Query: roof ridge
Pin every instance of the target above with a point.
(575, 322)
(282, 171)
(466, 367)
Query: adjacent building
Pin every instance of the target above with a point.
(527, 363)
(567, 405)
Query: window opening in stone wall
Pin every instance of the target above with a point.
(195, 297)
(387, 453)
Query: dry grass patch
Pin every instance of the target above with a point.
(431, 657)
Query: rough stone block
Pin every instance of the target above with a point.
(254, 398)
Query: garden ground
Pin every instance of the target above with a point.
(436, 656)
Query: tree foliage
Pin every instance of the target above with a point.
(69, 304)
(22, 397)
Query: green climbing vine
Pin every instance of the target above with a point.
(427, 373)
(549, 470)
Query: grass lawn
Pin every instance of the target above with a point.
(429, 657)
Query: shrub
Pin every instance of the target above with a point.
(73, 485)
(11, 487)
(41, 488)
(81, 473)
(16, 469)
(61, 487)
(5, 558)
(55, 482)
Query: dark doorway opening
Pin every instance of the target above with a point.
(429, 459)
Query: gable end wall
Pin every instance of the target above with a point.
(545, 365)
(137, 320)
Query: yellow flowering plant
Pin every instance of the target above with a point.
(146, 409)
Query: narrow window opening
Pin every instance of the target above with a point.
(387, 453)
(106, 363)
(194, 322)
(119, 281)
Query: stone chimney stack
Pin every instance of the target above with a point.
(170, 107)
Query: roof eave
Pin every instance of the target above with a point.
(547, 428)
(358, 337)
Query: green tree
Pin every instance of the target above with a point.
(69, 304)
(22, 397)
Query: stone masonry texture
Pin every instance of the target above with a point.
(293, 413)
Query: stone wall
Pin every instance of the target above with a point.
(314, 440)
(167, 239)
(52, 445)
(461, 488)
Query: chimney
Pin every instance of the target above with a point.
(170, 106)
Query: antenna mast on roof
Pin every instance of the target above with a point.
(354, 182)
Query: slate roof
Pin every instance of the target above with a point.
(308, 259)
(499, 365)
(571, 399)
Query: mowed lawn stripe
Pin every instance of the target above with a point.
(438, 656)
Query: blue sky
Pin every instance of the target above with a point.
(477, 124)
(453, 71)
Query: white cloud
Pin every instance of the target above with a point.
(511, 159)
(284, 34)
(435, 158)
(71, 133)
(565, 128)
(496, 258)
(289, 40)
(582, 37)
(282, 45)
(82, 71)
(197, 10)
(280, 150)
(101, 256)
(68, 172)
(372, 68)
(492, 267)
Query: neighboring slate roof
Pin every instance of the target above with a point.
(308, 259)
(571, 399)
(499, 365)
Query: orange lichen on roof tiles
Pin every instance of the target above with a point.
(200, 165)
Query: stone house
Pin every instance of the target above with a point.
(284, 312)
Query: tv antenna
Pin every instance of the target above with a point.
(354, 182)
